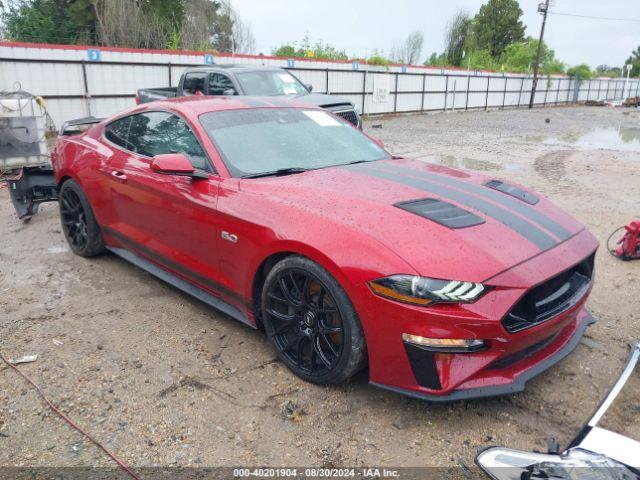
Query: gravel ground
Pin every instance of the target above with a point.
(162, 379)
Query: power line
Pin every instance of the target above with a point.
(595, 18)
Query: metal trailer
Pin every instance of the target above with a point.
(23, 147)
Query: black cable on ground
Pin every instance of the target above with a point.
(70, 422)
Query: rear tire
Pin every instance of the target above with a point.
(311, 322)
(78, 221)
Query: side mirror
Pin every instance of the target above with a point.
(229, 92)
(175, 164)
(309, 87)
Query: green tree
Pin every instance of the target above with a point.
(634, 61)
(581, 71)
(480, 60)
(202, 24)
(553, 66)
(378, 58)
(607, 71)
(521, 56)
(50, 21)
(497, 25)
(457, 37)
(318, 49)
(284, 51)
(221, 29)
(167, 13)
(436, 60)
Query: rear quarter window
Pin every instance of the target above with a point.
(118, 132)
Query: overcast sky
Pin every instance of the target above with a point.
(359, 26)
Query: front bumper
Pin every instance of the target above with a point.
(509, 360)
(567, 342)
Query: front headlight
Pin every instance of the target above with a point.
(426, 291)
(357, 109)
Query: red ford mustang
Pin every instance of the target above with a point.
(446, 284)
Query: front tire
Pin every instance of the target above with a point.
(78, 221)
(311, 322)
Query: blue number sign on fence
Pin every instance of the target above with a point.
(290, 62)
(404, 69)
(208, 59)
(355, 65)
(93, 55)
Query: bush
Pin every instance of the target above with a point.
(378, 60)
(581, 71)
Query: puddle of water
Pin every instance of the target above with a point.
(468, 163)
(623, 139)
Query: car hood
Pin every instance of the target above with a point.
(322, 100)
(372, 198)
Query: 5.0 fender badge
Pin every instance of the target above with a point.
(230, 237)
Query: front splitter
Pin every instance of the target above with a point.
(518, 385)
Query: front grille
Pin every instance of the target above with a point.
(551, 298)
(349, 115)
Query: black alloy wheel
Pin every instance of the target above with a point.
(74, 219)
(78, 221)
(316, 333)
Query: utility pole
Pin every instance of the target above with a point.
(544, 9)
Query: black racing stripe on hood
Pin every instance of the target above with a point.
(529, 231)
(508, 202)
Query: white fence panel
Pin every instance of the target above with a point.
(435, 101)
(317, 79)
(410, 83)
(74, 86)
(409, 102)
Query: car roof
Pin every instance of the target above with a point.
(197, 105)
(233, 67)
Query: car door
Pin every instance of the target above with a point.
(169, 219)
(221, 84)
(194, 83)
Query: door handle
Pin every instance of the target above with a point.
(121, 177)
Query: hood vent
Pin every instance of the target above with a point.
(441, 212)
(512, 190)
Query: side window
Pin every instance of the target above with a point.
(219, 84)
(118, 132)
(155, 133)
(193, 83)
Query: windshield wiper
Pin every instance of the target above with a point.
(276, 173)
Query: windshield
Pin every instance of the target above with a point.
(255, 141)
(270, 83)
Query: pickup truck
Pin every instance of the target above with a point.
(253, 81)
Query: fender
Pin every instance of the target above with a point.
(349, 274)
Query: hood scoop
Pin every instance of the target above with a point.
(444, 213)
(512, 190)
